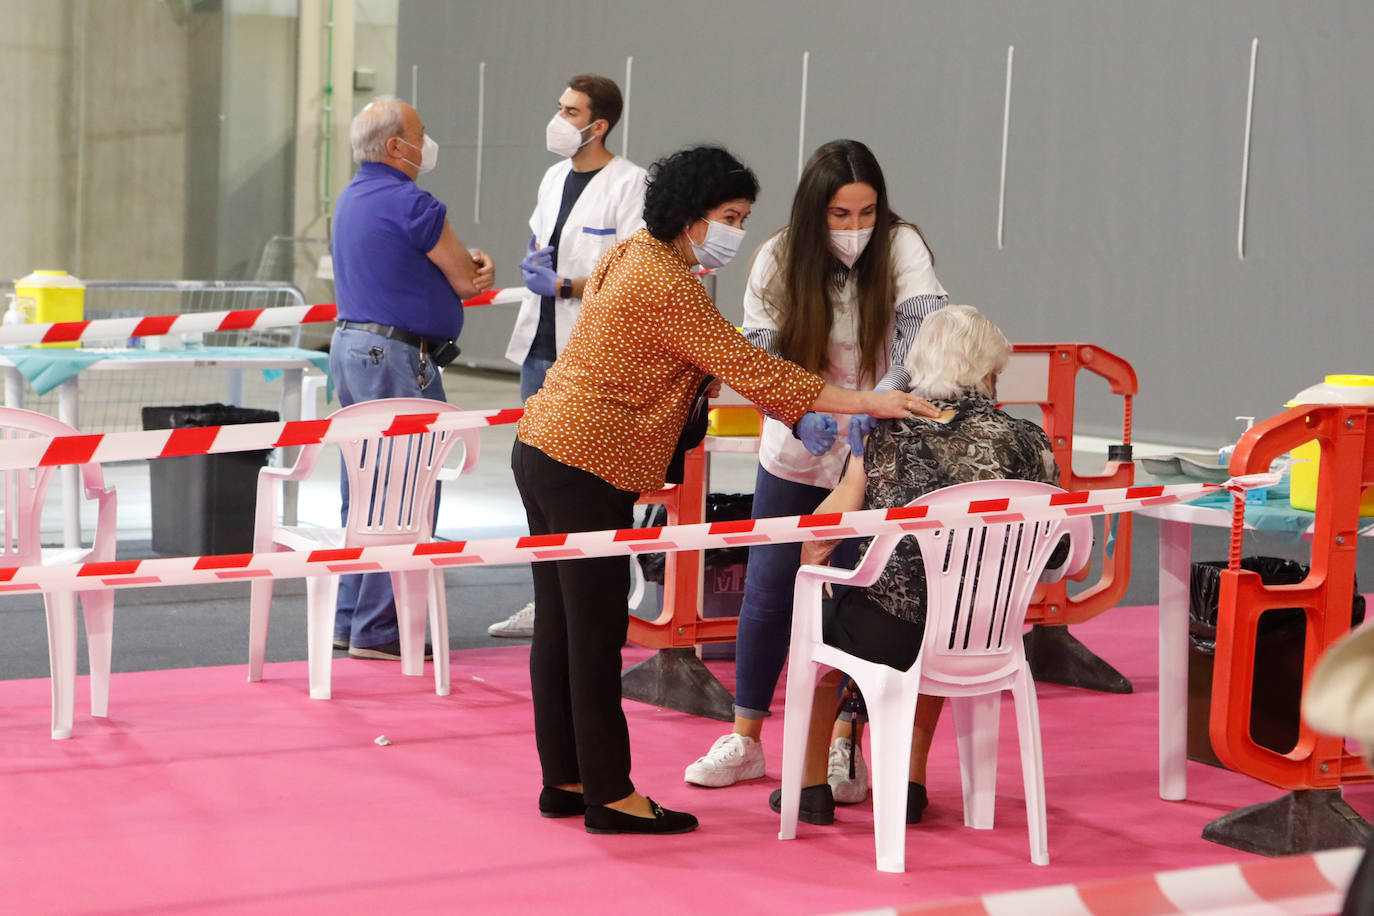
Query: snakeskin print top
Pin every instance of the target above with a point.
(905, 459)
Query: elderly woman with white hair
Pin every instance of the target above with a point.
(954, 363)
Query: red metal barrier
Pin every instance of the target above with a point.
(1347, 467)
(680, 624)
(1053, 605)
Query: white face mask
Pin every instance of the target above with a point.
(719, 247)
(848, 244)
(563, 139)
(429, 154)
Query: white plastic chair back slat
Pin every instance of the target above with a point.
(979, 583)
(26, 489)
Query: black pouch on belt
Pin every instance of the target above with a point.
(444, 352)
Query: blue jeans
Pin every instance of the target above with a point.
(367, 366)
(765, 615)
(532, 372)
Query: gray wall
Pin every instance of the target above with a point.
(1123, 180)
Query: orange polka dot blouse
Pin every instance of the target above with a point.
(616, 400)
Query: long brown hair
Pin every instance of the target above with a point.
(799, 293)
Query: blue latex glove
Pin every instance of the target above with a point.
(537, 268)
(817, 432)
(860, 425)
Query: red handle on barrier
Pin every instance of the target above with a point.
(1347, 466)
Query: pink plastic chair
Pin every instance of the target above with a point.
(25, 490)
(391, 482)
(980, 580)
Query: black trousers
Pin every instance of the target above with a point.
(581, 618)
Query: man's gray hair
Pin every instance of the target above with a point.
(377, 123)
(954, 351)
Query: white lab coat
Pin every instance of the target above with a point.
(609, 210)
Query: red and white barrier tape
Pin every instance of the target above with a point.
(202, 322)
(102, 448)
(1296, 886)
(499, 551)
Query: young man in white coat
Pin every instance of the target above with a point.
(589, 201)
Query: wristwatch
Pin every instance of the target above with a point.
(565, 288)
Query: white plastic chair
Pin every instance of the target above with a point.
(25, 490)
(980, 580)
(392, 482)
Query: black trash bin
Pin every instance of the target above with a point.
(723, 568)
(1276, 689)
(204, 504)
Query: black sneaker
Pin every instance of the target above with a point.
(817, 804)
(387, 651)
(341, 642)
(600, 819)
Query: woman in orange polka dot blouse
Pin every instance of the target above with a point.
(602, 431)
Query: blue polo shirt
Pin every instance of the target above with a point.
(384, 226)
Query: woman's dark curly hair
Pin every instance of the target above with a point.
(687, 184)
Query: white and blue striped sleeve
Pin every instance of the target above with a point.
(918, 293)
(910, 313)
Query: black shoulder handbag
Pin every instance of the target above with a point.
(693, 431)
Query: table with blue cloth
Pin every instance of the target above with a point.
(45, 368)
(48, 368)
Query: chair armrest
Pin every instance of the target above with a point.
(1078, 554)
(106, 523)
(302, 469)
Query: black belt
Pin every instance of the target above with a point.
(386, 330)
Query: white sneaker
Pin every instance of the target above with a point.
(847, 791)
(732, 758)
(519, 625)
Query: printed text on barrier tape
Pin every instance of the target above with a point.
(203, 322)
(499, 551)
(204, 440)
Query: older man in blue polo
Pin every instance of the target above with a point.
(400, 276)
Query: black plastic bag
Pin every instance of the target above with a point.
(204, 415)
(720, 507)
(1204, 586)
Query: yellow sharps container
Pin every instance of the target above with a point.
(1337, 389)
(51, 295)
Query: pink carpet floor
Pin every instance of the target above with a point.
(205, 794)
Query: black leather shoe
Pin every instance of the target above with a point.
(916, 802)
(817, 804)
(555, 802)
(387, 651)
(600, 819)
